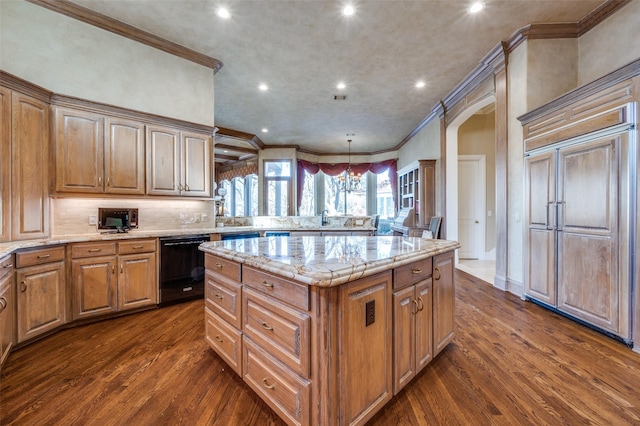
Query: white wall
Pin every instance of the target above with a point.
(552, 69)
(611, 45)
(72, 58)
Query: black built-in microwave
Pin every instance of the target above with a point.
(120, 220)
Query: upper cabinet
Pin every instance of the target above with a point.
(417, 190)
(178, 163)
(98, 154)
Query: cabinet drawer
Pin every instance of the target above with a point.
(280, 288)
(412, 273)
(280, 330)
(225, 340)
(6, 266)
(284, 391)
(137, 246)
(228, 268)
(224, 297)
(92, 249)
(40, 256)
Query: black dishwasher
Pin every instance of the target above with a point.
(181, 269)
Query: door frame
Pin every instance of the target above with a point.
(481, 208)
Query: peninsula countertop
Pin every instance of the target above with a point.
(327, 261)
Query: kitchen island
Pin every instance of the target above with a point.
(327, 329)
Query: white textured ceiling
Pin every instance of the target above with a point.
(302, 49)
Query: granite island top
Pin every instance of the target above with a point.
(327, 261)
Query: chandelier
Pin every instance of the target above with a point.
(348, 180)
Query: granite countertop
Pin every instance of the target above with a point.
(249, 228)
(327, 261)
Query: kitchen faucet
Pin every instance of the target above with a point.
(325, 221)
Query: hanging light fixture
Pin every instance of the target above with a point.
(349, 181)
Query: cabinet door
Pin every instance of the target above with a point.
(5, 163)
(196, 153)
(94, 286)
(444, 299)
(424, 322)
(29, 164)
(404, 311)
(7, 312)
(163, 161)
(588, 248)
(540, 237)
(124, 157)
(41, 299)
(79, 149)
(137, 284)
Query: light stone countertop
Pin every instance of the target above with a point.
(327, 261)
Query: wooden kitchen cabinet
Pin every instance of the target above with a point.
(98, 154)
(5, 163)
(41, 291)
(178, 163)
(7, 308)
(29, 167)
(113, 276)
(444, 299)
(417, 190)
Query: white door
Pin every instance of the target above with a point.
(471, 199)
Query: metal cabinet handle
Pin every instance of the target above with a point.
(186, 187)
(416, 271)
(99, 180)
(121, 268)
(436, 273)
(218, 339)
(108, 181)
(44, 256)
(218, 265)
(94, 250)
(3, 304)
(10, 265)
(23, 286)
(180, 187)
(421, 308)
(266, 384)
(137, 247)
(415, 302)
(266, 326)
(266, 284)
(217, 296)
(113, 269)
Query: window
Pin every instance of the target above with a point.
(277, 187)
(251, 188)
(242, 196)
(384, 198)
(341, 202)
(237, 197)
(309, 195)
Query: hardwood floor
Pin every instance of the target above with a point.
(512, 363)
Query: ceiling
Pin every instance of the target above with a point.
(303, 49)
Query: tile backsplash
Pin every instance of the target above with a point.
(70, 216)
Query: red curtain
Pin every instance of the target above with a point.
(336, 169)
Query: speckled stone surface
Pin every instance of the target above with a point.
(327, 261)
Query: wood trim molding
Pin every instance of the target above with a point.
(99, 20)
(236, 148)
(236, 134)
(600, 14)
(19, 85)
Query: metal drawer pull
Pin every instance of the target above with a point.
(218, 339)
(266, 384)
(136, 247)
(436, 273)
(421, 304)
(266, 284)
(416, 271)
(23, 286)
(266, 326)
(3, 304)
(94, 250)
(44, 256)
(217, 296)
(219, 266)
(8, 266)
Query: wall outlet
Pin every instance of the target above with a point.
(359, 221)
(93, 220)
(205, 217)
(198, 217)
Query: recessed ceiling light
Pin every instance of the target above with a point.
(341, 85)
(420, 84)
(263, 87)
(223, 13)
(476, 7)
(265, 130)
(348, 10)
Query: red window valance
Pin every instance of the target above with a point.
(336, 169)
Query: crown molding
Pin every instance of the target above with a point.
(99, 20)
(600, 14)
(19, 85)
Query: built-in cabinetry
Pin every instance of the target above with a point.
(41, 291)
(417, 190)
(113, 276)
(95, 153)
(412, 321)
(24, 166)
(580, 171)
(178, 162)
(7, 308)
(328, 355)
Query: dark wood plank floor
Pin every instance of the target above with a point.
(512, 363)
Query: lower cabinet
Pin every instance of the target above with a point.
(7, 308)
(113, 276)
(444, 299)
(41, 290)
